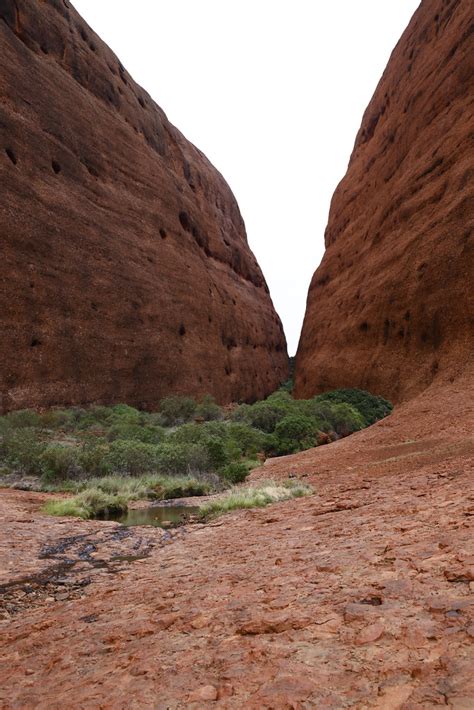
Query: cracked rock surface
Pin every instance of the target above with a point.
(360, 596)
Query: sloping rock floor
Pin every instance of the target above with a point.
(360, 596)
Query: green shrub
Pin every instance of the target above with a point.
(177, 410)
(21, 450)
(58, 461)
(93, 459)
(181, 459)
(136, 432)
(295, 433)
(345, 419)
(371, 407)
(208, 409)
(217, 452)
(23, 419)
(125, 413)
(234, 472)
(262, 415)
(58, 419)
(249, 440)
(131, 457)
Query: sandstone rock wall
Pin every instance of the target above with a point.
(390, 308)
(125, 271)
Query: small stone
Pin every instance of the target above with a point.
(207, 692)
(165, 621)
(436, 605)
(200, 622)
(370, 634)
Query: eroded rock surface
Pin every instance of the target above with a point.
(125, 269)
(390, 309)
(360, 596)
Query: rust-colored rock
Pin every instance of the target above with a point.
(359, 612)
(125, 269)
(390, 309)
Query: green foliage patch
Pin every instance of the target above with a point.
(199, 446)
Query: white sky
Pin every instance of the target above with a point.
(273, 93)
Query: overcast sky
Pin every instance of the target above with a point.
(273, 92)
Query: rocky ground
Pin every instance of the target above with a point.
(360, 596)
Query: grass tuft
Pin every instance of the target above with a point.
(254, 497)
(91, 503)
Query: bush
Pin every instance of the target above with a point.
(249, 440)
(177, 410)
(262, 415)
(135, 432)
(345, 419)
(371, 407)
(58, 419)
(181, 459)
(131, 457)
(23, 419)
(59, 462)
(234, 472)
(21, 450)
(208, 409)
(93, 457)
(125, 413)
(295, 433)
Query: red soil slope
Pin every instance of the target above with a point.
(125, 272)
(391, 307)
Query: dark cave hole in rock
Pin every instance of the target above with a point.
(11, 155)
(182, 330)
(364, 327)
(44, 49)
(92, 170)
(35, 342)
(184, 220)
(141, 102)
(84, 35)
(56, 167)
(163, 233)
(94, 306)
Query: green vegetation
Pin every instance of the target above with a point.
(103, 497)
(208, 447)
(92, 503)
(254, 497)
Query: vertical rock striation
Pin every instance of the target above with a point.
(390, 308)
(125, 270)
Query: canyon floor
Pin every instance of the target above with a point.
(360, 596)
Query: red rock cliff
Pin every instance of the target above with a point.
(125, 271)
(390, 308)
